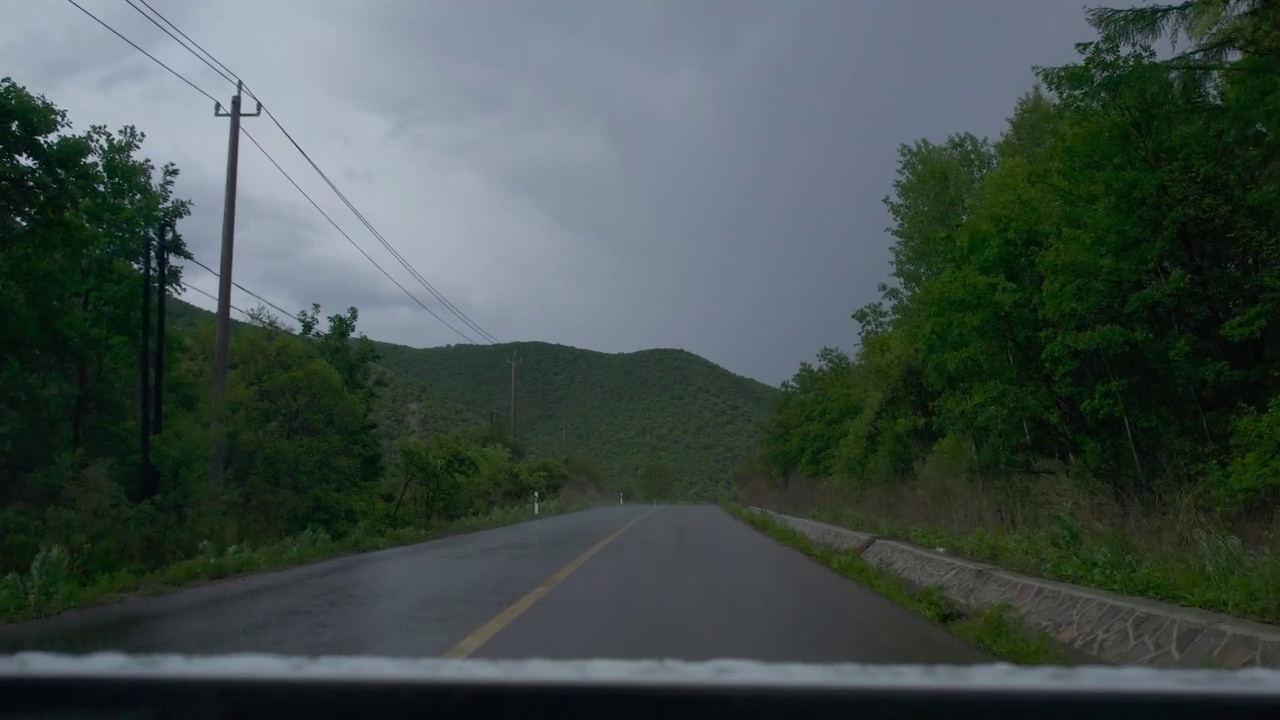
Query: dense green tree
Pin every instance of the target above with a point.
(448, 477)
(1216, 30)
(75, 213)
(657, 482)
(352, 356)
(1098, 286)
(436, 471)
(301, 449)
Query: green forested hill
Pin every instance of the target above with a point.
(410, 409)
(625, 412)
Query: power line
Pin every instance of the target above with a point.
(193, 42)
(348, 237)
(374, 231)
(324, 176)
(245, 313)
(185, 286)
(277, 308)
(377, 235)
(175, 39)
(154, 59)
(294, 318)
(379, 365)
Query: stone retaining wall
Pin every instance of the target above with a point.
(1113, 628)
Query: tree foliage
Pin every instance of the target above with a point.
(1098, 286)
(74, 209)
(446, 478)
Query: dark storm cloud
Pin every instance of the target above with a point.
(285, 255)
(622, 175)
(737, 208)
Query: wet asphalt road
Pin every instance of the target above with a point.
(682, 582)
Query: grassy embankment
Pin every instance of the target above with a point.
(52, 584)
(1165, 550)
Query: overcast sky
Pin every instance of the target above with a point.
(694, 174)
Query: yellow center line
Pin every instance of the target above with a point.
(482, 635)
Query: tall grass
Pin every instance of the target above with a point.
(54, 583)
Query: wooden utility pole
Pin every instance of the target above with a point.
(152, 485)
(162, 285)
(515, 362)
(144, 466)
(222, 343)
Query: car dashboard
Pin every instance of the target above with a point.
(111, 685)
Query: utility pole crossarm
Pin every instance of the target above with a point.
(235, 102)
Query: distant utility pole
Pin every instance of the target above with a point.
(222, 344)
(564, 433)
(144, 467)
(515, 362)
(162, 285)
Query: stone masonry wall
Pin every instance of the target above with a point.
(1113, 628)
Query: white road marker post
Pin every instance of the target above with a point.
(535, 503)
(619, 498)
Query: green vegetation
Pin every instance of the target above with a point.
(1055, 531)
(1073, 369)
(308, 471)
(1208, 569)
(638, 416)
(405, 407)
(53, 582)
(995, 630)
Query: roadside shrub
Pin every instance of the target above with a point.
(1250, 483)
(49, 584)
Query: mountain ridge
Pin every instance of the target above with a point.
(625, 411)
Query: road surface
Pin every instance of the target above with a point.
(680, 582)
